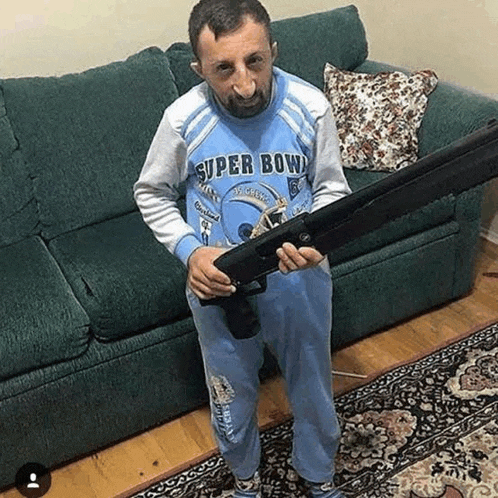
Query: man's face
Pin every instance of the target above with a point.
(238, 67)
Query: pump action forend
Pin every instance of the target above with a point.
(464, 164)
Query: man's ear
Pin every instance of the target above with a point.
(274, 51)
(197, 68)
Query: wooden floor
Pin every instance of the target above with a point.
(122, 469)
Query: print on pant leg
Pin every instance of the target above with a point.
(222, 395)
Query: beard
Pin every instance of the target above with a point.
(248, 108)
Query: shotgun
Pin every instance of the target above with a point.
(464, 164)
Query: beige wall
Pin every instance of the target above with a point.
(456, 38)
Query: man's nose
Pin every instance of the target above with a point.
(245, 85)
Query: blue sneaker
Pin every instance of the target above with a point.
(248, 488)
(324, 490)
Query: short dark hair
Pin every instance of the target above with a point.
(224, 16)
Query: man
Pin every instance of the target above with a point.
(256, 146)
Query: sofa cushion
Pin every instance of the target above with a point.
(85, 136)
(126, 280)
(180, 56)
(42, 322)
(378, 115)
(18, 215)
(305, 44)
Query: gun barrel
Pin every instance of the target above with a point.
(451, 171)
(461, 166)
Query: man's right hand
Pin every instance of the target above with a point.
(204, 279)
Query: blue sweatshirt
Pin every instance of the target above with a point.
(243, 176)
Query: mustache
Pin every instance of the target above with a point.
(245, 108)
(257, 95)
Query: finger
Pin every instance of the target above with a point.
(219, 284)
(210, 276)
(198, 289)
(292, 257)
(202, 295)
(217, 275)
(209, 286)
(311, 255)
(285, 261)
(201, 265)
(206, 292)
(286, 264)
(283, 267)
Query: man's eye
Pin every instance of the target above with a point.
(255, 61)
(224, 68)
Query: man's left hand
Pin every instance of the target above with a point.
(292, 259)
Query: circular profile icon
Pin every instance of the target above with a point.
(33, 480)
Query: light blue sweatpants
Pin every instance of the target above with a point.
(295, 315)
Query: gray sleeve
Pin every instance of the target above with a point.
(156, 191)
(326, 174)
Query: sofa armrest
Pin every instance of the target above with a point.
(452, 113)
(468, 212)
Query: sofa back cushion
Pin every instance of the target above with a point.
(85, 136)
(452, 113)
(18, 216)
(305, 44)
(180, 56)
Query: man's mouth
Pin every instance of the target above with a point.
(244, 108)
(251, 102)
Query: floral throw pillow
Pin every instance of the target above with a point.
(378, 115)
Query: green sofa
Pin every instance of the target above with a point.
(96, 339)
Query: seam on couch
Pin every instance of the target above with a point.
(93, 223)
(468, 210)
(455, 255)
(20, 210)
(36, 230)
(87, 287)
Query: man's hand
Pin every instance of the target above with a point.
(205, 280)
(292, 259)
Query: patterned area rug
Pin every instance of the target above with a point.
(424, 430)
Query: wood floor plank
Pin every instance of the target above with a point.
(116, 471)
